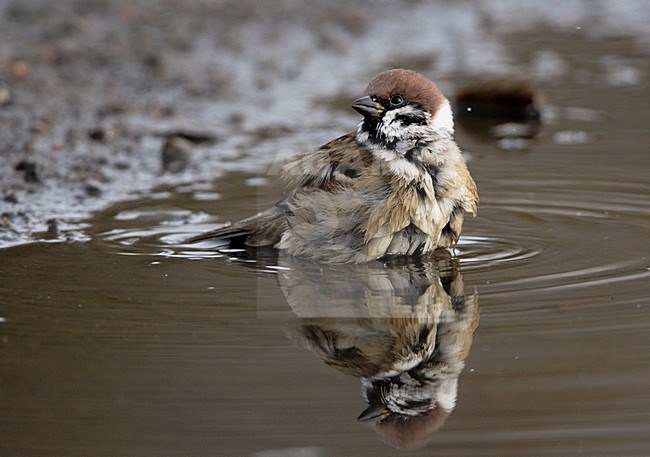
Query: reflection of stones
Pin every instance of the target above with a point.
(405, 329)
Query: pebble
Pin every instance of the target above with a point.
(500, 98)
(11, 198)
(176, 154)
(29, 170)
(5, 96)
(20, 70)
(194, 136)
(102, 134)
(92, 190)
(52, 227)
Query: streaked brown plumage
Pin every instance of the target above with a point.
(398, 185)
(404, 327)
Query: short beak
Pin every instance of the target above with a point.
(367, 107)
(374, 413)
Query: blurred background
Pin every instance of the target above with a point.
(89, 89)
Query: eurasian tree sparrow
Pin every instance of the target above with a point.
(404, 327)
(398, 185)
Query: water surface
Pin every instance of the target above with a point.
(131, 344)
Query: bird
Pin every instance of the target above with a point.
(403, 326)
(398, 185)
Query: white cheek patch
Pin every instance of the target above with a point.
(391, 127)
(407, 137)
(443, 121)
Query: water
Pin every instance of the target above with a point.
(132, 344)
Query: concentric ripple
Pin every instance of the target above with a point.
(487, 251)
(575, 244)
(163, 233)
(559, 239)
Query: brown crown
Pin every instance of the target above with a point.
(412, 86)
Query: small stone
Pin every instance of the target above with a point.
(11, 198)
(52, 227)
(508, 111)
(151, 61)
(501, 99)
(176, 154)
(20, 70)
(192, 135)
(101, 134)
(29, 171)
(237, 119)
(96, 134)
(92, 190)
(5, 96)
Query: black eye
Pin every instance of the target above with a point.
(396, 100)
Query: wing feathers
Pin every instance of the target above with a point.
(331, 166)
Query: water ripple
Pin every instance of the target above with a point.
(486, 251)
(531, 247)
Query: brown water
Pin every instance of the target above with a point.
(130, 344)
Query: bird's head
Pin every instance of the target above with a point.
(401, 110)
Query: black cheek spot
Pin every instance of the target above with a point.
(419, 120)
(370, 125)
(411, 119)
(350, 172)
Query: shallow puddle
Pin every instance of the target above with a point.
(536, 326)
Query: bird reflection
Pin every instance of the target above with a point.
(404, 327)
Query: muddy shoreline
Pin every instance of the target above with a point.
(91, 90)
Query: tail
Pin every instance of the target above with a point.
(264, 229)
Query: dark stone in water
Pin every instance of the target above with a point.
(29, 170)
(505, 111)
(92, 190)
(53, 227)
(192, 136)
(5, 96)
(101, 134)
(97, 134)
(176, 154)
(502, 99)
(11, 198)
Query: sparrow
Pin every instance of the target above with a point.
(397, 185)
(403, 327)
